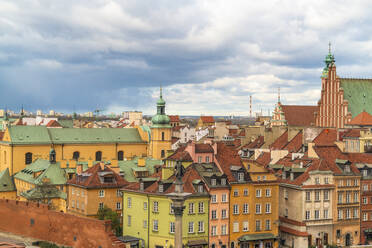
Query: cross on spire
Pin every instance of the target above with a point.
(329, 47)
(278, 94)
(161, 91)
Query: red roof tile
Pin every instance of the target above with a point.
(207, 119)
(352, 133)
(362, 119)
(293, 232)
(180, 154)
(92, 178)
(174, 118)
(327, 137)
(295, 144)
(257, 143)
(203, 148)
(292, 222)
(53, 123)
(226, 158)
(297, 115)
(264, 159)
(280, 142)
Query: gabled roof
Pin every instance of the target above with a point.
(53, 123)
(264, 159)
(6, 182)
(295, 144)
(127, 166)
(180, 154)
(94, 178)
(280, 142)
(207, 119)
(326, 137)
(297, 115)
(257, 143)
(362, 119)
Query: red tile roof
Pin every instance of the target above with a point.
(257, 143)
(53, 123)
(264, 159)
(292, 222)
(174, 118)
(295, 144)
(362, 119)
(180, 154)
(297, 115)
(327, 137)
(227, 157)
(352, 133)
(293, 232)
(280, 142)
(207, 119)
(203, 148)
(176, 128)
(92, 178)
(174, 140)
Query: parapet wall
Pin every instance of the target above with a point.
(37, 221)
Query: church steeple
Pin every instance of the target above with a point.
(160, 119)
(329, 59)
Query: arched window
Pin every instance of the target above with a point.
(28, 158)
(120, 155)
(162, 153)
(162, 135)
(98, 156)
(76, 155)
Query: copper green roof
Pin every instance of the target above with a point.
(127, 167)
(6, 182)
(66, 123)
(44, 135)
(358, 92)
(51, 171)
(257, 236)
(48, 192)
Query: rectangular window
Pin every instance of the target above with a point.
(258, 225)
(268, 192)
(224, 198)
(258, 208)
(267, 225)
(317, 195)
(172, 227)
(213, 181)
(317, 181)
(223, 230)
(73, 203)
(339, 197)
(100, 206)
(316, 214)
(286, 194)
(365, 217)
(268, 208)
(364, 199)
(356, 197)
(236, 209)
(191, 227)
(201, 226)
(355, 182)
(145, 205)
(155, 225)
(347, 214)
(214, 214)
(245, 192)
(223, 214)
(129, 202)
(326, 195)
(118, 205)
(101, 193)
(339, 214)
(214, 231)
(213, 198)
(236, 227)
(171, 210)
(144, 224)
(199, 159)
(308, 195)
(236, 193)
(245, 226)
(355, 213)
(245, 208)
(348, 197)
(77, 192)
(207, 159)
(240, 176)
(156, 207)
(201, 207)
(365, 187)
(191, 208)
(129, 220)
(118, 193)
(325, 214)
(326, 180)
(258, 192)
(307, 215)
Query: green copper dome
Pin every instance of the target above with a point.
(329, 59)
(160, 119)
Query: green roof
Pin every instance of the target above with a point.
(44, 135)
(6, 182)
(358, 92)
(66, 123)
(128, 166)
(257, 236)
(53, 172)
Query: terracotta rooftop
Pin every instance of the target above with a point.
(327, 137)
(352, 133)
(297, 115)
(207, 119)
(174, 118)
(264, 159)
(280, 142)
(362, 119)
(257, 143)
(203, 148)
(53, 123)
(95, 176)
(295, 144)
(180, 154)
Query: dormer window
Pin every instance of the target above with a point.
(108, 179)
(142, 186)
(347, 168)
(317, 181)
(213, 182)
(200, 188)
(365, 173)
(161, 188)
(223, 181)
(240, 176)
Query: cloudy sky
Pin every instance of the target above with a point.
(210, 56)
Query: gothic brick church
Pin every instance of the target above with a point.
(342, 99)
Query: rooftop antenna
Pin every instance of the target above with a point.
(329, 47)
(250, 106)
(278, 94)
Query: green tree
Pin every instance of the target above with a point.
(107, 213)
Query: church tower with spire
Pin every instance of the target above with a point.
(161, 131)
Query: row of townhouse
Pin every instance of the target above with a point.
(231, 202)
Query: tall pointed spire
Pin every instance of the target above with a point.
(161, 91)
(329, 47)
(278, 94)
